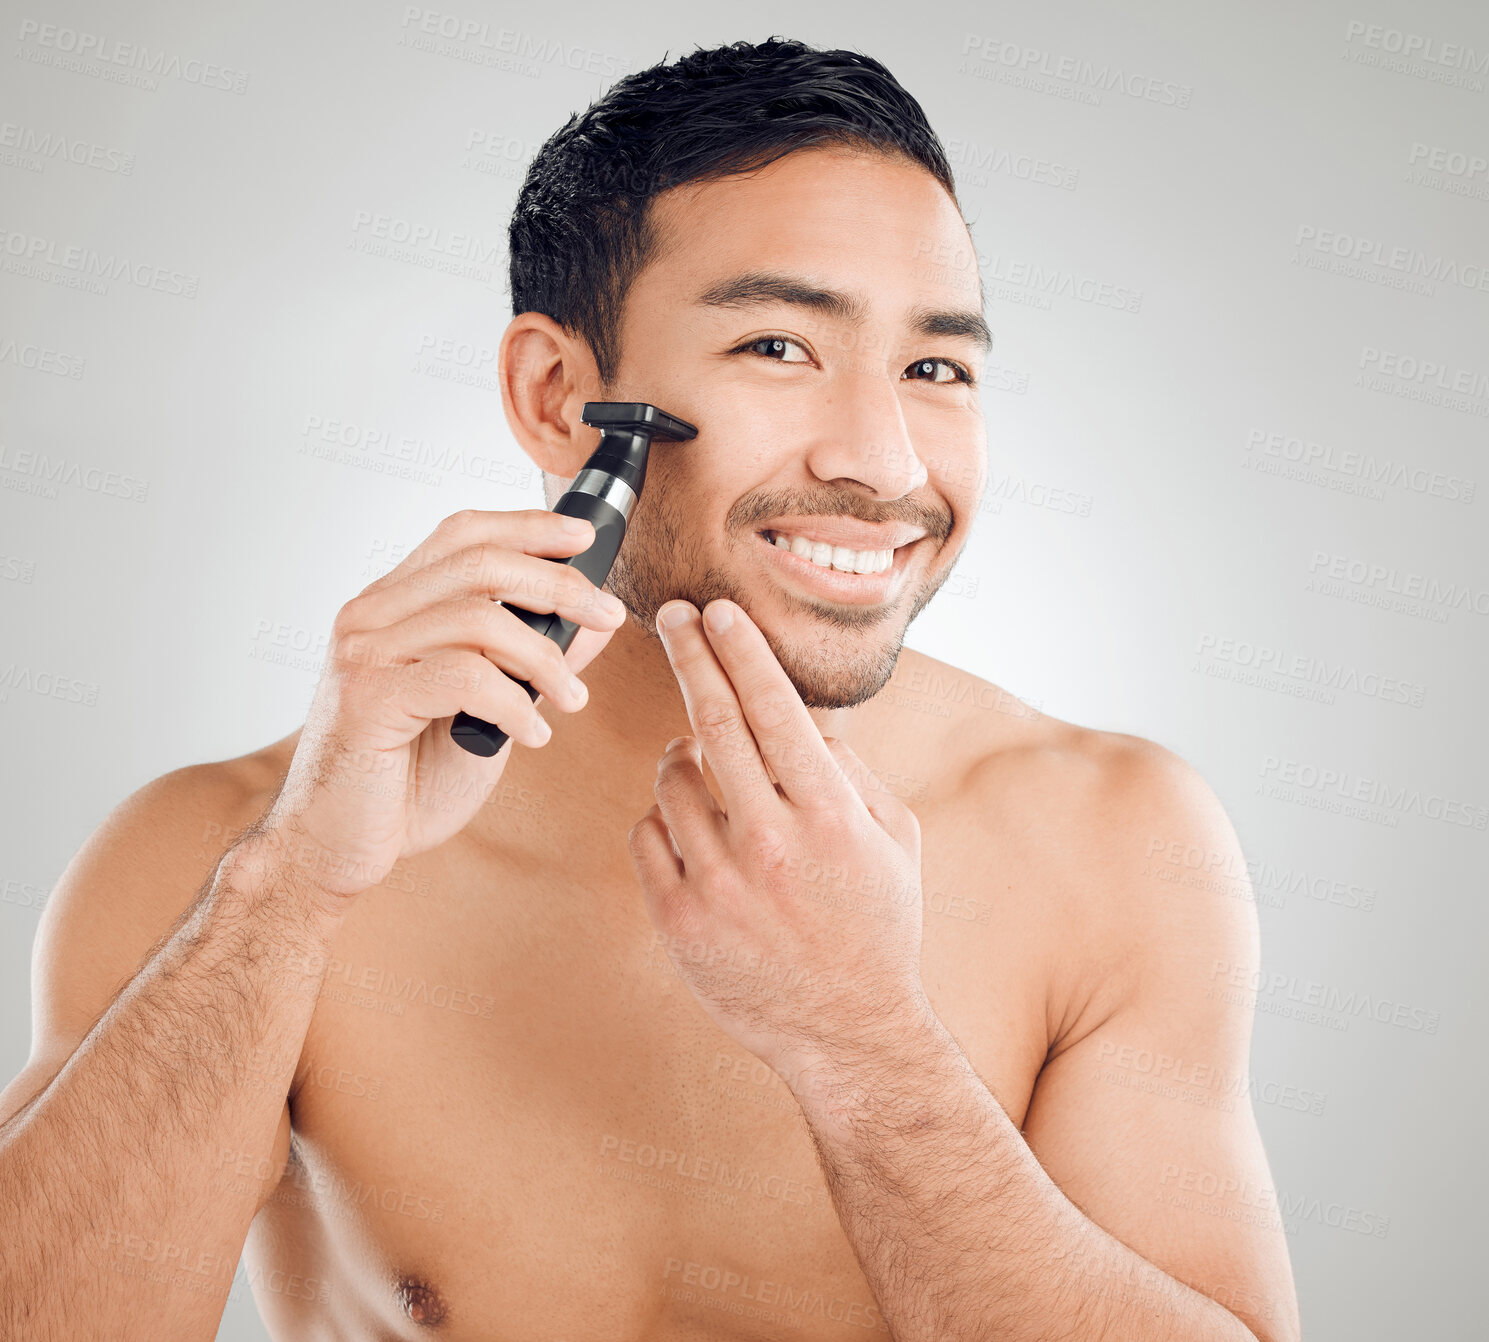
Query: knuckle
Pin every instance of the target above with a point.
(553, 657)
(581, 592)
(469, 671)
(457, 523)
(715, 875)
(347, 619)
(555, 581)
(773, 710)
(354, 651)
(465, 565)
(717, 721)
(670, 783)
(767, 847)
(474, 611)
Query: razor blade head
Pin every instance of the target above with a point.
(635, 417)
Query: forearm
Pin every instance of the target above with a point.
(959, 1230)
(128, 1166)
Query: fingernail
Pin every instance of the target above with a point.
(673, 614)
(612, 604)
(719, 616)
(576, 525)
(576, 687)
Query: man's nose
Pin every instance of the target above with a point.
(862, 436)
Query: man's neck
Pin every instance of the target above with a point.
(635, 708)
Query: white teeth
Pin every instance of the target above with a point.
(839, 557)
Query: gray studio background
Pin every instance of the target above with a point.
(1238, 413)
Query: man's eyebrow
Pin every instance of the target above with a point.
(763, 286)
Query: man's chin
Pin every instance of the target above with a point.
(832, 667)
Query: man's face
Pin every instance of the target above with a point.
(811, 424)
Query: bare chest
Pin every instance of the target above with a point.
(515, 1121)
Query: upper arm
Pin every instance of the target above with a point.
(1142, 1113)
(117, 901)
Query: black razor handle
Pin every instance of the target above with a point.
(605, 492)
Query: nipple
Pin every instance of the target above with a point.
(420, 1301)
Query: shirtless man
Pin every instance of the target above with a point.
(831, 1018)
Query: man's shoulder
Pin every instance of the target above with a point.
(130, 882)
(195, 812)
(1094, 811)
(1121, 844)
(154, 849)
(1002, 742)
(1000, 733)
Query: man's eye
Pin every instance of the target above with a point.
(774, 347)
(959, 374)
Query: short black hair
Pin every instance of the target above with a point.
(581, 230)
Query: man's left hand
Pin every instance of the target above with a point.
(794, 912)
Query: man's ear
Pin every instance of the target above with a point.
(546, 377)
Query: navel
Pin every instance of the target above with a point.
(420, 1301)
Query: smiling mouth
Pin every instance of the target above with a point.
(827, 580)
(835, 558)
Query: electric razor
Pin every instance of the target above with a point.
(605, 492)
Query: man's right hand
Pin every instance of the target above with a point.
(376, 775)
